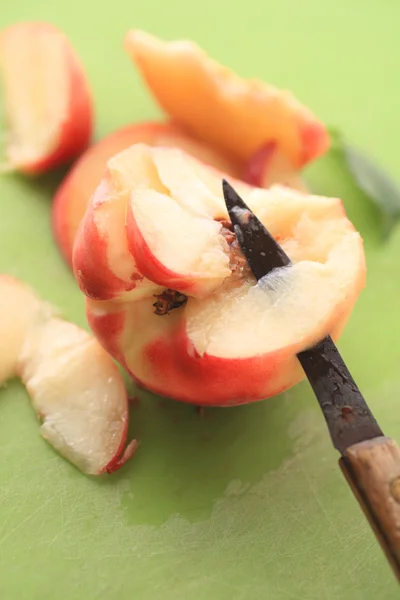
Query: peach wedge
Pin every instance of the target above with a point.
(233, 115)
(47, 102)
(75, 387)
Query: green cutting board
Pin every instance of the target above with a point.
(246, 503)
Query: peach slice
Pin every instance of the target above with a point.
(48, 106)
(235, 116)
(75, 387)
(78, 394)
(72, 197)
(157, 230)
(203, 330)
(103, 264)
(269, 166)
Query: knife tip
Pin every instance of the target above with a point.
(227, 189)
(232, 198)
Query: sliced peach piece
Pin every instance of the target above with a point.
(236, 340)
(79, 395)
(75, 387)
(215, 105)
(157, 230)
(269, 166)
(103, 265)
(72, 197)
(48, 106)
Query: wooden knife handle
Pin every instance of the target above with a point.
(372, 469)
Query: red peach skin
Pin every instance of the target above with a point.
(49, 114)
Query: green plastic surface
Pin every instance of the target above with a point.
(246, 503)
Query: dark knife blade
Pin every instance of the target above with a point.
(346, 412)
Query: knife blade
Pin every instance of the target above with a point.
(370, 461)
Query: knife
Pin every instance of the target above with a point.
(369, 460)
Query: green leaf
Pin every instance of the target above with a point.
(372, 179)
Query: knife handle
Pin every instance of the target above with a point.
(372, 469)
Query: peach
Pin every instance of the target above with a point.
(48, 104)
(72, 197)
(235, 116)
(76, 389)
(195, 325)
